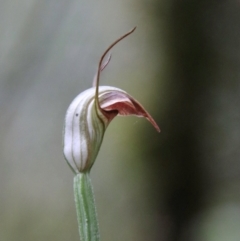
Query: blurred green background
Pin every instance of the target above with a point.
(182, 64)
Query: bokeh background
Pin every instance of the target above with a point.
(182, 64)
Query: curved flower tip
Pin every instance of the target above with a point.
(90, 113)
(118, 101)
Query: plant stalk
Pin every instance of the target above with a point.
(86, 209)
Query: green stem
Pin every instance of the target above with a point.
(86, 209)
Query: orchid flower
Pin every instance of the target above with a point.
(86, 120)
(89, 115)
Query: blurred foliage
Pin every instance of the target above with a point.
(182, 63)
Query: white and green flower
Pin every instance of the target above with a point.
(90, 113)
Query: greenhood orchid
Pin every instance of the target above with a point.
(90, 113)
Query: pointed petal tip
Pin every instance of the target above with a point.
(133, 29)
(152, 121)
(157, 128)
